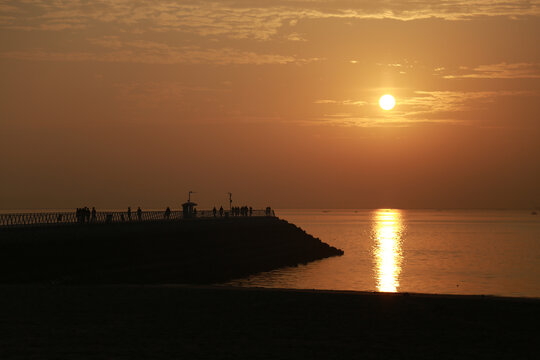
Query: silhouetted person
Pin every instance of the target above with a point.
(139, 213)
(214, 211)
(221, 211)
(167, 213)
(129, 213)
(250, 211)
(81, 215)
(93, 214)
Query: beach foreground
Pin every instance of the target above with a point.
(164, 322)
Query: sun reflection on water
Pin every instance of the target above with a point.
(388, 231)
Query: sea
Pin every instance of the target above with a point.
(488, 252)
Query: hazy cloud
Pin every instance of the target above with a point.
(435, 104)
(149, 52)
(342, 102)
(419, 107)
(295, 37)
(239, 19)
(389, 121)
(498, 71)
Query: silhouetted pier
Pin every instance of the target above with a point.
(70, 217)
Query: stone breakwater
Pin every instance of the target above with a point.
(201, 251)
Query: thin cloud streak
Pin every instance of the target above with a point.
(342, 102)
(499, 71)
(368, 122)
(146, 52)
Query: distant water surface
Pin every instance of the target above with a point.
(429, 251)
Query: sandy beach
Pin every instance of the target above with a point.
(187, 322)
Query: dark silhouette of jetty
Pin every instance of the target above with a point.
(201, 250)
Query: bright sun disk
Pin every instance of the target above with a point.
(387, 102)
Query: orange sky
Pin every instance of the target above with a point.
(125, 103)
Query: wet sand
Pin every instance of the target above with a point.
(186, 322)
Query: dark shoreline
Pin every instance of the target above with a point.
(206, 322)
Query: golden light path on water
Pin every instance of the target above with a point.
(388, 231)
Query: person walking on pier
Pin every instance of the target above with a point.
(93, 219)
(167, 213)
(139, 213)
(214, 211)
(129, 213)
(221, 211)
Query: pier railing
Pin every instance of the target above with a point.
(49, 218)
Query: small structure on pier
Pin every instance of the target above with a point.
(188, 208)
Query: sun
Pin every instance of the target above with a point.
(387, 102)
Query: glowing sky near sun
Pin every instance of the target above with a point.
(115, 103)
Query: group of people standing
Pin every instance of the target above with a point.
(139, 213)
(235, 211)
(84, 215)
(242, 211)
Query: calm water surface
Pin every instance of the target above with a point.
(452, 252)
